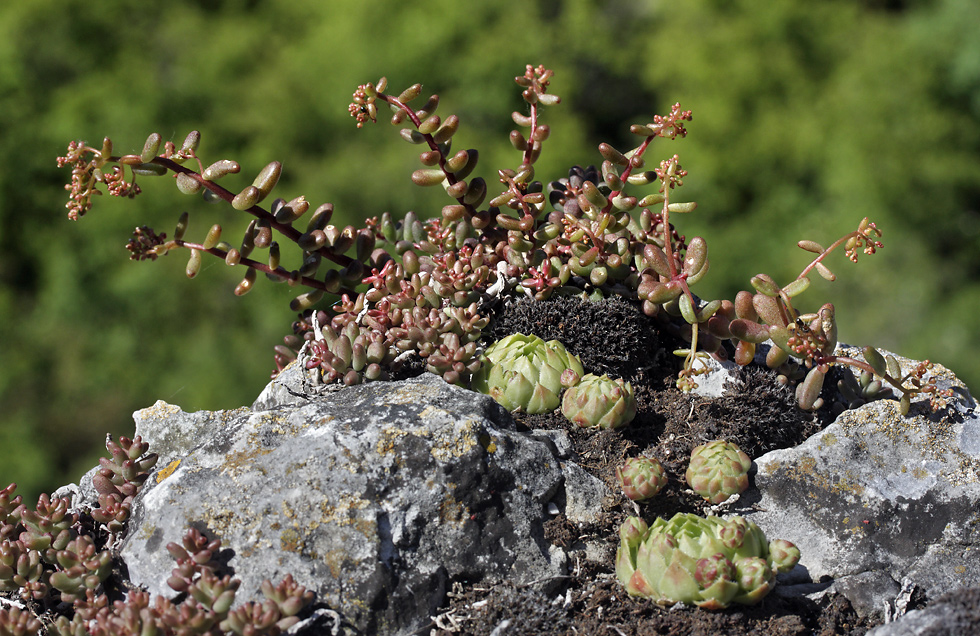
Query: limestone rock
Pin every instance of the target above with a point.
(377, 496)
(877, 496)
(955, 614)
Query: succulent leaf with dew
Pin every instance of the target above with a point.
(718, 470)
(641, 477)
(524, 372)
(705, 561)
(599, 401)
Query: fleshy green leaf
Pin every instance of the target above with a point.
(875, 359)
(797, 287)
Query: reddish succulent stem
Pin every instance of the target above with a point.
(530, 145)
(824, 254)
(286, 230)
(629, 169)
(450, 177)
(262, 267)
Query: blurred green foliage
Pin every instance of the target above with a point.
(807, 117)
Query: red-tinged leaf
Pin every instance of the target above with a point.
(749, 331)
(808, 391)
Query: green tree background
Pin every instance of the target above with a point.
(807, 117)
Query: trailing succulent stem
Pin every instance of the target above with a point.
(423, 289)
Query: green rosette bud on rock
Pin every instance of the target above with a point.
(599, 401)
(641, 477)
(524, 372)
(718, 470)
(705, 561)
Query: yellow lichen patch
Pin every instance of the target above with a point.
(451, 510)
(335, 560)
(388, 441)
(464, 442)
(413, 395)
(805, 472)
(488, 443)
(239, 461)
(291, 541)
(828, 440)
(808, 464)
(160, 410)
(168, 471)
(344, 513)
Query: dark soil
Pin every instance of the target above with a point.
(759, 415)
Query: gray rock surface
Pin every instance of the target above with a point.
(876, 498)
(957, 614)
(377, 497)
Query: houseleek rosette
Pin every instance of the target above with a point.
(718, 470)
(599, 401)
(524, 372)
(705, 561)
(641, 477)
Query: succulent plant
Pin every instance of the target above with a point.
(525, 372)
(425, 289)
(706, 561)
(18, 622)
(46, 549)
(641, 477)
(599, 401)
(718, 470)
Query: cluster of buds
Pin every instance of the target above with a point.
(641, 478)
(525, 373)
(599, 401)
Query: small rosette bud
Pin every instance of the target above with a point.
(718, 470)
(524, 372)
(755, 578)
(641, 477)
(783, 555)
(598, 401)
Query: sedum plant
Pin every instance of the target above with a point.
(705, 561)
(55, 552)
(599, 401)
(420, 291)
